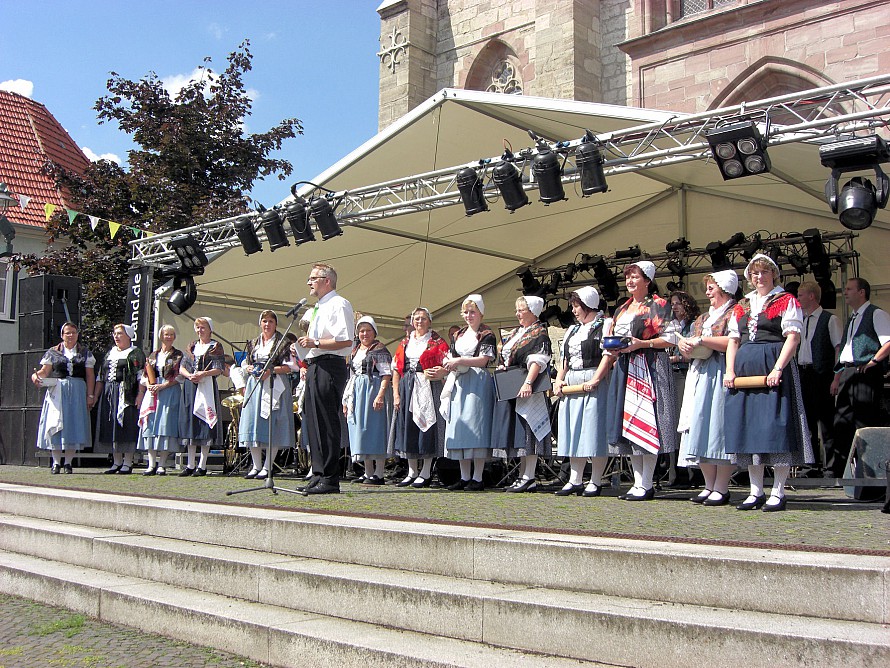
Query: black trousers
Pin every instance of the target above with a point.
(325, 382)
(819, 407)
(858, 405)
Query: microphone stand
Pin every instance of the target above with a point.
(269, 465)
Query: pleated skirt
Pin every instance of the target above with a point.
(75, 433)
(581, 423)
(468, 429)
(368, 429)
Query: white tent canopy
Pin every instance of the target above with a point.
(436, 257)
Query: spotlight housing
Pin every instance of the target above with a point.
(605, 278)
(470, 186)
(750, 248)
(247, 236)
(192, 257)
(678, 245)
(548, 174)
(818, 258)
(589, 159)
(719, 254)
(509, 182)
(739, 150)
(858, 201)
(530, 284)
(298, 218)
(323, 213)
(274, 229)
(184, 295)
(630, 253)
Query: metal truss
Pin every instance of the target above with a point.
(820, 113)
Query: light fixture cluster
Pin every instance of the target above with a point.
(858, 201)
(192, 260)
(739, 150)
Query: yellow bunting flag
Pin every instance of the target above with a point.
(113, 227)
(48, 209)
(71, 215)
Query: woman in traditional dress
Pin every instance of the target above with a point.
(200, 426)
(702, 424)
(419, 433)
(120, 395)
(582, 417)
(766, 426)
(521, 426)
(642, 404)
(267, 416)
(68, 371)
(159, 413)
(468, 396)
(367, 401)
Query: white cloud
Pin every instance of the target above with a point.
(176, 82)
(105, 156)
(217, 30)
(20, 86)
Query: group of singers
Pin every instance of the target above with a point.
(434, 398)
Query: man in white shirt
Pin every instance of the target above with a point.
(859, 374)
(329, 341)
(817, 354)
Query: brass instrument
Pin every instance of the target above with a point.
(234, 403)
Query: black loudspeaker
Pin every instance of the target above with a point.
(18, 436)
(45, 302)
(16, 388)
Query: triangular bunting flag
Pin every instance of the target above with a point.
(23, 201)
(114, 227)
(71, 216)
(136, 232)
(147, 233)
(94, 220)
(48, 209)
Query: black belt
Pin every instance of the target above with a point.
(324, 358)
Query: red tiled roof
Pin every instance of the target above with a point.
(29, 137)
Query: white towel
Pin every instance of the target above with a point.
(423, 408)
(534, 411)
(205, 406)
(278, 389)
(639, 425)
(149, 406)
(54, 420)
(349, 399)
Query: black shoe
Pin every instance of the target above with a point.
(251, 474)
(66, 468)
(322, 488)
(374, 480)
(406, 482)
(152, 471)
(774, 508)
(700, 498)
(722, 501)
(313, 481)
(185, 473)
(753, 505)
(458, 486)
(474, 486)
(647, 496)
(596, 491)
(112, 470)
(125, 470)
(361, 480)
(56, 469)
(529, 485)
(577, 490)
(199, 472)
(423, 482)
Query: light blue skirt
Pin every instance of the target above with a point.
(75, 433)
(704, 442)
(254, 428)
(369, 429)
(582, 419)
(162, 429)
(468, 429)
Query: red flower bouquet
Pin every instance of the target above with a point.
(433, 357)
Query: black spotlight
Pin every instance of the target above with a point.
(829, 294)
(606, 280)
(676, 267)
(739, 150)
(274, 229)
(589, 159)
(677, 245)
(719, 254)
(470, 186)
(750, 248)
(818, 258)
(191, 256)
(630, 253)
(549, 313)
(548, 174)
(530, 284)
(323, 213)
(184, 295)
(247, 236)
(797, 263)
(509, 182)
(676, 286)
(858, 201)
(298, 218)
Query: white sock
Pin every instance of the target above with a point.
(57, 457)
(755, 474)
(191, 456)
(162, 460)
(649, 462)
(379, 467)
(427, 469)
(724, 473)
(412, 467)
(128, 459)
(465, 468)
(269, 462)
(780, 475)
(530, 465)
(478, 468)
(70, 454)
(151, 458)
(256, 457)
(597, 466)
(205, 453)
(117, 458)
(576, 474)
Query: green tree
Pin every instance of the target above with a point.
(194, 164)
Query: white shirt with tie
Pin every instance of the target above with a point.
(881, 322)
(835, 333)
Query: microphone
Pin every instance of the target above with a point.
(293, 312)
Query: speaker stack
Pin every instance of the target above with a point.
(45, 303)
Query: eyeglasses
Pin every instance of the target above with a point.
(315, 278)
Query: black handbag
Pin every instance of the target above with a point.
(508, 382)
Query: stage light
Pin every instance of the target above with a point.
(676, 286)
(553, 283)
(530, 284)
(829, 294)
(797, 263)
(184, 295)
(858, 201)
(323, 214)
(191, 255)
(719, 254)
(247, 236)
(298, 218)
(676, 268)
(509, 182)
(274, 229)
(548, 174)
(605, 278)
(818, 258)
(750, 248)
(470, 186)
(589, 159)
(739, 150)
(570, 272)
(678, 245)
(630, 253)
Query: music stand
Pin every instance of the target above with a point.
(269, 465)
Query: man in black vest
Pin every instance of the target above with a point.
(859, 375)
(819, 346)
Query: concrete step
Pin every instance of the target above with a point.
(567, 623)
(831, 586)
(271, 634)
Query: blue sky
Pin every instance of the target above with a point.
(313, 60)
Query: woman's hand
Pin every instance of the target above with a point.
(378, 403)
(435, 373)
(729, 380)
(396, 401)
(35, 379)
(686, 346)
(526, 390)
(591, 385)
(774, 378)
(557, 387)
